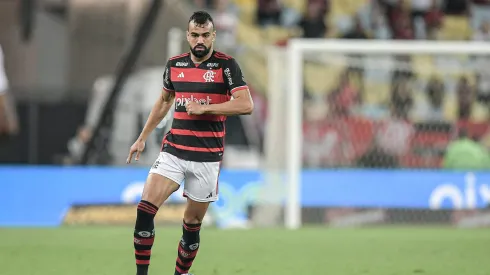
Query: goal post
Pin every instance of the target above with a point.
(294, 136)
(286, 73)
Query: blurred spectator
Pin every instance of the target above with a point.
(319, 143)
(435, 92)
(269, 12)
(466, 98)
(226, 22)
(319, 140)
(357, 31)
(356, 68)
(313, 22)
(483, 85)
(403, 28)
(403, 72)
(378, 23)
(393, 135)
(323, 6)
(466, 154)
(401, 21)
(393, 139)
(8, 118)
(344, 98)
(401, 99)
(76, 145)
(456, 7)
(334, 142)
(482, 65)
(483, 32)
(130, 113)
(420, 7)
(433, 20)
(480, 11)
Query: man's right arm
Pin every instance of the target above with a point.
(161, 107)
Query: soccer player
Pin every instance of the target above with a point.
(8, 118)
(202, 84)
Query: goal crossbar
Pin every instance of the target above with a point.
(389, 46)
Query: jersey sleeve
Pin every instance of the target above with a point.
(234, 77)
(167, 80)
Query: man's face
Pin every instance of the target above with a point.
(200, 38)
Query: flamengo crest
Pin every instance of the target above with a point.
(209, 76)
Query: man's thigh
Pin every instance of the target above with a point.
(201, 181)
(169, 166)
(165, 177)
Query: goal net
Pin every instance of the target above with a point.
(357, 133)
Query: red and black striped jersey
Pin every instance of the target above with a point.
(199, 137)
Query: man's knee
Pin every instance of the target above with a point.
(192, 220)
(195, 212)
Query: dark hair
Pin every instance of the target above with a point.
(201, 18)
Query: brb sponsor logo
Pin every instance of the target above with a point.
(228, 76)
(182, 101)
(472, 195)
(166, 77)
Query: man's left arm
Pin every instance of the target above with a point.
(242, 103)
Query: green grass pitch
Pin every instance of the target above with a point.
(374, 251)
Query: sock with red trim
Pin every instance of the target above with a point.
(144, 234)
(188, 247)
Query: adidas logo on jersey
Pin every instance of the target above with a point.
(181, 75)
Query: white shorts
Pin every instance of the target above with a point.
(200, 178)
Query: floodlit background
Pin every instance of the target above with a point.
(395, 165)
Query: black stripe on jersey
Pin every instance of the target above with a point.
(193, 141)
(193, 156)
(198, 125)
(221, 55)
(196, 87)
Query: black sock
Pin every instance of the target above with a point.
(144, 234)
(188, 247)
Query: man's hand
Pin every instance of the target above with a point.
(194, 108)
(137, 147)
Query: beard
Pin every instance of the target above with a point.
(200, 53)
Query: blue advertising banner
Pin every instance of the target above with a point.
(41, 196)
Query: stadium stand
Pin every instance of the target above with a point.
(340, 16)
